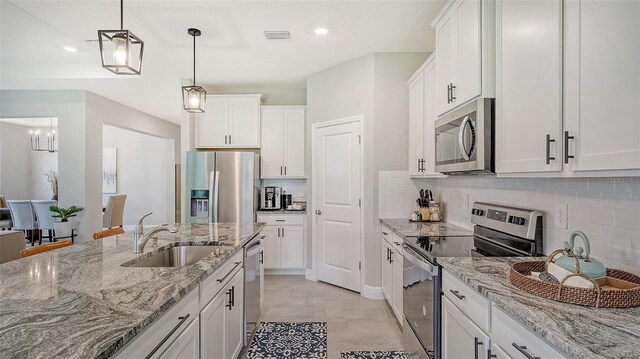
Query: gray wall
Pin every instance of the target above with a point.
(270, 95)
(375, 87)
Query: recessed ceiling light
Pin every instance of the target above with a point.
(70, 49)
(321, 31)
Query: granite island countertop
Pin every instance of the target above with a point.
(576, 331)
(404, 228)
(79, 302)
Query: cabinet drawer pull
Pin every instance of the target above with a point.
(385, 233)
(220, 280)
(280, 220)
(396, 243)
(225, 139)
(452, 96)
(449, 93)
(548, 149)
(566, 147)
(164, 340)
(261, 257)
(491, 355)
(523, 349)
(229, 304)
(457, 294)
(476, 344)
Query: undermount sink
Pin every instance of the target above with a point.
(176, 256)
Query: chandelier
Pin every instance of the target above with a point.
(34, 138)
(121, 50)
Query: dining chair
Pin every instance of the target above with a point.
(44, 218)
(112, 216)
(108, 233)
(5, 216)
(24, 219)
(45, 248)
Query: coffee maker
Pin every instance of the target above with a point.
(271, 197)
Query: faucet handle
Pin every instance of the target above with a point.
(171, 228)
(139, 227)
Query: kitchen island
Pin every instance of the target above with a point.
(573, 330)
(79, 302)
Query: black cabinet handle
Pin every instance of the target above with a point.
(566, 146)
(164, 340)
(548, 149)
(285, 170)
(229, 300)
(476, 344)
(220, 280)
(280, 170)
(233, 296)
(225, 139)
(385, 233)
(523, 349)
(229, 139)
(452, 96)
(261, 257)
(457, 294)
(491, 355)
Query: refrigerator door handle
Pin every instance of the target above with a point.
(213, 190)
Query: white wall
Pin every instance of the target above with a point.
(607, 210)
(375, 87)
(270, 95)
(15, 159)
(143, 164)
(297, 188)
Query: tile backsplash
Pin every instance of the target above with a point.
(606, 209)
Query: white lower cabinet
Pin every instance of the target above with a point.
(186, 345)
(392, 271)
(461, 338)
(207, 323)
(283, 241)
(464, 316)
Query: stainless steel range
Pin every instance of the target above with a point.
(499, 231)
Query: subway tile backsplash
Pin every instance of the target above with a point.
(606, 209)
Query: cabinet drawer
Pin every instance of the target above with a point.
(507, 333)
(386, 234)
(282, 220)
(471, 303)
(155, 338)
(216, 281)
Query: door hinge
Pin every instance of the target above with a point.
(360, 265)
(359, 202)
(359, 139)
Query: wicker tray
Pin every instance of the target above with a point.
(619, 289)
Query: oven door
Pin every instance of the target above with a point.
(421, 304)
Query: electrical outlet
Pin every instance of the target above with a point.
(562, 215)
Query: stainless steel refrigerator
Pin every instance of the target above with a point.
(222, 186)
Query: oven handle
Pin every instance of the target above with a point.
(414, 258)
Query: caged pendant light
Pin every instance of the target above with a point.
(121, 50)
(194, 97)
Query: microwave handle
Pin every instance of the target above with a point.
(461, 144)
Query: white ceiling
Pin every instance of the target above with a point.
(232, 50)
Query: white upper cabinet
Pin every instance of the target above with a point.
(465, 48)
(230, 121)
(602, 85)
(416, 125)
(282, 139)
(422, 115)
(528, 86)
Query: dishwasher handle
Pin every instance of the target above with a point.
(413, 257)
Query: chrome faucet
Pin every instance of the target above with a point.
(140, 239)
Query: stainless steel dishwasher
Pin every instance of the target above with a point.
(253, 259)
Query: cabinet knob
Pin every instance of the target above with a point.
(318, 212)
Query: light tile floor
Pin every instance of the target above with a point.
(353, 322)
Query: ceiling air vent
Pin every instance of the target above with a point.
(277, 35)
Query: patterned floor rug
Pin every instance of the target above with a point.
(279, 340)
(374, 355)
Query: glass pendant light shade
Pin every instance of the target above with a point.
(120, 50)
(194, 97)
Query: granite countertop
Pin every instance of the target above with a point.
(78, 302)
(280, 211)
(404, 228)
(576, 331)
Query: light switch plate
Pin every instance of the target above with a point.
(562, 214)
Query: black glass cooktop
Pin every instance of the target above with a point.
(433, 247)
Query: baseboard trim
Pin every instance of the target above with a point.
(372, 292)
(310, 275)
(285, 271)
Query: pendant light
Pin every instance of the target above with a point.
(194, 97)
(121, 50)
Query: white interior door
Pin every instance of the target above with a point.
(337, 187)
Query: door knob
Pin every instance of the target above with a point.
(318, 212)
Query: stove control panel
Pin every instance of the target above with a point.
(516, 220)
(477, 212)
(520, 222)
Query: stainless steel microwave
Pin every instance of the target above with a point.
(464, 139)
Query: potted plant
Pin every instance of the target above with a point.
(63, 226)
